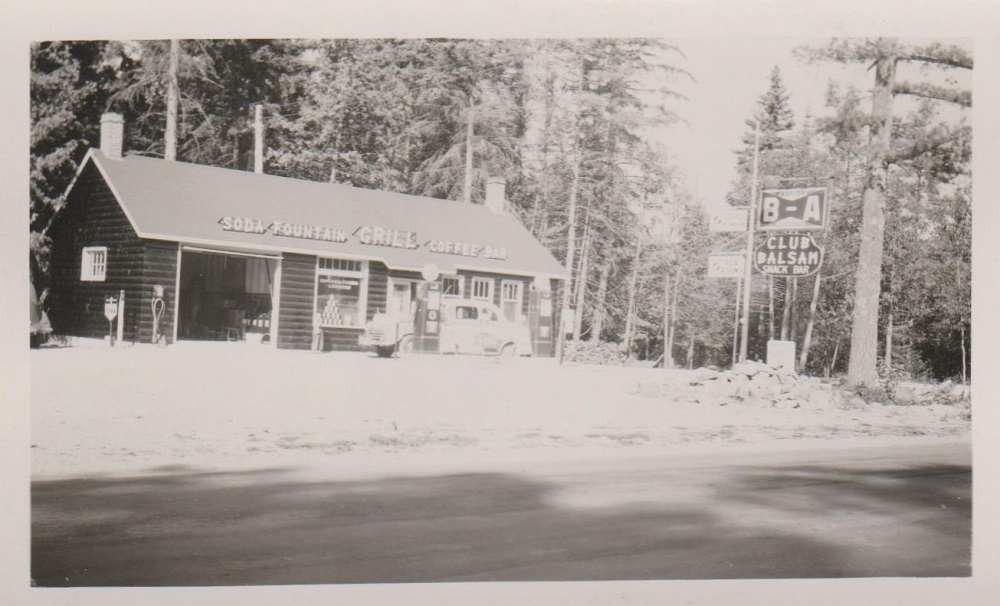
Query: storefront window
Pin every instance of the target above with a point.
(482, 288)
(340, 293)
(451, 287)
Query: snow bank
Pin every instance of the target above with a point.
(98, 409)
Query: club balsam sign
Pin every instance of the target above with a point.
(788, 255)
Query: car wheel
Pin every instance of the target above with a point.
(509, 351)
(385, 351)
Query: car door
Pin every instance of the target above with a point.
(459, 330)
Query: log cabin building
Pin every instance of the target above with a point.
(267, 258)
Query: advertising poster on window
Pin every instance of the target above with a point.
(338, 300)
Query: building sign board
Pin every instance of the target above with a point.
(726, 265)
(788, 255)
(802, 209)
(308, 232)
(466, 249)
(381, 236)
(366, 234)
(728, 220)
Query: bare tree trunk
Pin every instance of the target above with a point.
(770, 307)
(964, 362)
(862, 368)
(173, 96)
(667, 354)
(570, 253)
(258, 139)
(599, 305)
(888, 342)
(469, 128)
(540, 202)
(786, 312)
(793, 317)
(582, 278)
(673, 316)
(833, 359)
(736, 322)
(633, 283)
(807, 340)
(690, 354)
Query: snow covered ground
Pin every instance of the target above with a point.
(101, 410)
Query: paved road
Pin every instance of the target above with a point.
(858, 512)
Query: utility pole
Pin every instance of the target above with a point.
(170, 137)
(258, 139)
(748, 269)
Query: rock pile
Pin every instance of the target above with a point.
(753, 384)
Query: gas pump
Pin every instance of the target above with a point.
(157, 307)
(427, 323)
(540, 322)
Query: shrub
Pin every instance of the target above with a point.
(600, 353)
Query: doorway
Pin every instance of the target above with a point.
(225, 297)
(402, 299)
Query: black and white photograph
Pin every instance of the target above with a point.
(610, 310)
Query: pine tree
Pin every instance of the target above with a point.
(70, 86)
(885, 54)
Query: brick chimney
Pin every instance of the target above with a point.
(496, 194)
(112, 135)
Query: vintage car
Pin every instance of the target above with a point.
(467, 327)
(387, 333)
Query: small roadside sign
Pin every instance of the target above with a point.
(726, 265)
(802, 209)
(788, 255)
(728, 220)
(110, 308)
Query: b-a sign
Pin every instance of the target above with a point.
(793, 209)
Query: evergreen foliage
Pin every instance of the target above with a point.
(566, 123)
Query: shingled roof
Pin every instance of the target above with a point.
(182, 202)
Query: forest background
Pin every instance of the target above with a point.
(576, 128)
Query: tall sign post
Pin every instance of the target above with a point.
(787, 217)
(748, 270)
(110, 312)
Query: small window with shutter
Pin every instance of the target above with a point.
(94, 264)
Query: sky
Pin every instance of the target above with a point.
(731, 74)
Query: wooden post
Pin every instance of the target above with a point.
(807, 340)
(469, 131)
(736, 327)
(173, 95)
(120, 333)
(748, 271)
(258, 139)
